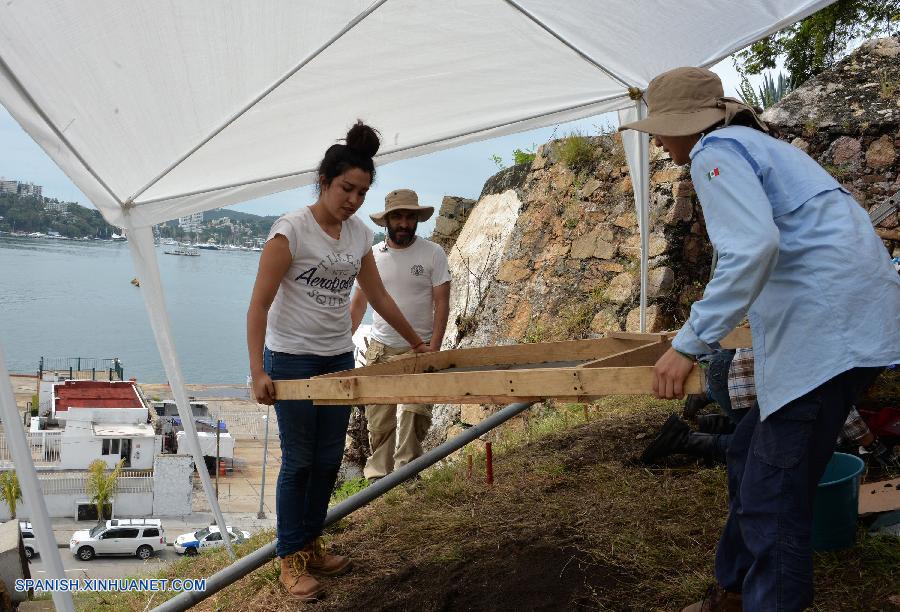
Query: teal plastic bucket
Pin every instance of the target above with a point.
(836, 506)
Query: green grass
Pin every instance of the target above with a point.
(575, 150)
(348, 488)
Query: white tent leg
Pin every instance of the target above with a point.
(143, 253)
(637, 152)
(642, 198)
(31, 488)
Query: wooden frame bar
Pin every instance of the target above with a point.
(578, 370)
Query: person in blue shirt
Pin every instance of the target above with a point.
(799, 258)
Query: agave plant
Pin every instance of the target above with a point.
(770, 92)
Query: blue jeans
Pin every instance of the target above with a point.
(718, 364)
(312, 447)
(774, 466)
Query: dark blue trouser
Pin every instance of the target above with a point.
(718, 365)
(774, 466)
(312, 447)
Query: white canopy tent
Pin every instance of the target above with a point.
(159, 109)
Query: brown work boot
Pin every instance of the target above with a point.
(717, 599)
(296, 578)
(322, 563)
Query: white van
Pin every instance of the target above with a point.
(141, 537)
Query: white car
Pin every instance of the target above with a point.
(141, 537)
(28, 539)
(208, 537)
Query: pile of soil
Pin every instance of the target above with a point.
(572, 522)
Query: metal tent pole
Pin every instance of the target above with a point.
(642, 195)
(143, 253)
(262, 487)
(31, 488)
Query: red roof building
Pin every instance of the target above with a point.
(95, 394)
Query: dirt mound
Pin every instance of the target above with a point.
(572, 522)
(539, 575)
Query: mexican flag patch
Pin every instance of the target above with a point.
(712, 173)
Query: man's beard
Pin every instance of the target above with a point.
(404, 239)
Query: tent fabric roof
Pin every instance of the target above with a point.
(159, 109)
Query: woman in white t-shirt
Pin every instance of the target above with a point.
(298, 326)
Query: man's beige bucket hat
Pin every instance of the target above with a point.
(402, 199)
(686, 101)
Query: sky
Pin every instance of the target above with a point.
(461, 171)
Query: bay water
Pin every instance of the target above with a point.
(63, 298)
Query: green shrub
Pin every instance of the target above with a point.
(536, 332)
(575, 150)
(522, 157)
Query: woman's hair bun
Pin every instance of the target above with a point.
(363, 139)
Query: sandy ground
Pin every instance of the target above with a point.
(239, 489)
(24, 386)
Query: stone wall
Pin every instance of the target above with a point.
(450, 219)
(570, 266)
(552, 251)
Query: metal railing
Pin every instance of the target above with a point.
(44, 447)
(83, 368)
(245, 423)
(260, 557)
(138, 482)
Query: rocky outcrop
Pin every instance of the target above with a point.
(552, 252)
(848, 119)
(558, 255)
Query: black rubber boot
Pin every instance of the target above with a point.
(715, 424)
(675, 436)
(693, 404)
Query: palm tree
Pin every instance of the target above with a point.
(10, 490)
(100, 486)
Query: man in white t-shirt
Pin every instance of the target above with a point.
(416, 275)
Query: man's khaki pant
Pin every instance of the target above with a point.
(394, 442)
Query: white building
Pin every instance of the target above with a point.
(30, 189)
(89, 420)
(103, 420)
(191, 222)
(60, 207)
(9, 185)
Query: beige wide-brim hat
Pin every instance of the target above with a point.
(687, 101)
(402, 199)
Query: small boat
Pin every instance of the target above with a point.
(186, 251)
(135, 282)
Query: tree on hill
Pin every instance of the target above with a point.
(816, 43)
(28, 214)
